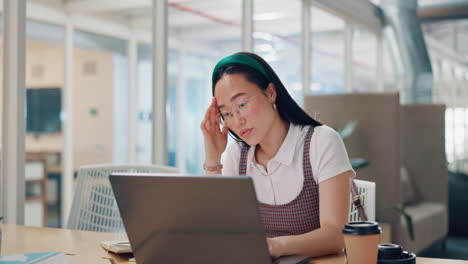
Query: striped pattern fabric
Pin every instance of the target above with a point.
(299, 216)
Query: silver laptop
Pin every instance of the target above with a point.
(192, 219)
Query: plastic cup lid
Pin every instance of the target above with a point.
(362, 228)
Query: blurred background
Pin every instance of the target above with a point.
(89, 68)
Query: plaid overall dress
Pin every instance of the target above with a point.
(298, 216)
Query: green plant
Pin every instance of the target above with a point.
(345, 133)
(1, 218)
(359, 163)
(348, 129)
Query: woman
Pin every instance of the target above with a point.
(299, 167)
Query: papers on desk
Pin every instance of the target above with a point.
(117, 246)
(35, 258)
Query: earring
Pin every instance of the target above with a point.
(274, 106)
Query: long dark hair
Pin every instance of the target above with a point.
(287, 108)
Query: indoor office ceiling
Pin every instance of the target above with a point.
(452, 33)
(199, 18)
(434, 10)
(447, 22)
(441, 2)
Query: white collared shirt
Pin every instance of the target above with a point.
(284, 178)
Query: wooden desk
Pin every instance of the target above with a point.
(83, 246)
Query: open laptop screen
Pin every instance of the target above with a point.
(191, 219)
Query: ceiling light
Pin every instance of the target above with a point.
(268, 16)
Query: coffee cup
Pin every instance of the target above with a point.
(394, 254)
(362, 241)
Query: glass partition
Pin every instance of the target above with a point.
(364, 65)
(277, 39)
(43, 114)
(200, 33)
(327, 52)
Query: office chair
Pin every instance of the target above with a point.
(366, 190)
(94, 207)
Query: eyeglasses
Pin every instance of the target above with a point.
(241, 106)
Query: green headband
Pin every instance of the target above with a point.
(240, 59)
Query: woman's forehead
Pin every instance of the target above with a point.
(229, 85)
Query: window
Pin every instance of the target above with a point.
(277, 39)
(364, 65)
(200, 33)
(327, 56)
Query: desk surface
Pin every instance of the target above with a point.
(83, 246)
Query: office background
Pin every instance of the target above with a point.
(90, 63)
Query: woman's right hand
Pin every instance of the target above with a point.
(215, 138)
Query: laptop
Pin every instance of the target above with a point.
(192, 219)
